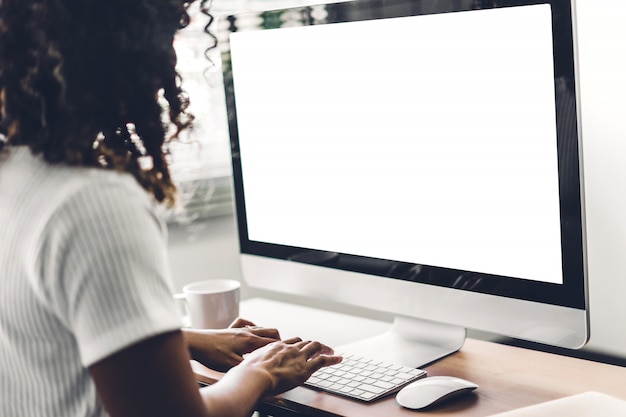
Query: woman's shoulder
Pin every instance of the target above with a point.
(34, 170)
(31, 180)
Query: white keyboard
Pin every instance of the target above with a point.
(363, 379)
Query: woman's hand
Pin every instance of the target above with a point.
(287, 364)
(223, 349)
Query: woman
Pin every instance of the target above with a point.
(88, 326)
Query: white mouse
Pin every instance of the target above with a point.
(429, 391)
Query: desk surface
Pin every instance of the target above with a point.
(508, 377)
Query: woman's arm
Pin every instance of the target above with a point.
(150, 378)
(154, 378)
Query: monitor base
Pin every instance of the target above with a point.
(410, 342)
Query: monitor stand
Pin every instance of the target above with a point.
(410, 342)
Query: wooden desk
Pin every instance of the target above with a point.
(508, 378)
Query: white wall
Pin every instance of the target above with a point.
(209, 250)
(602, 47)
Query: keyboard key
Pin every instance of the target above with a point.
(371, 388)
(383, 384)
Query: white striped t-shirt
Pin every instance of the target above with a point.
(83, 274)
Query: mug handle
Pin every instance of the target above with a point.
(187, 316)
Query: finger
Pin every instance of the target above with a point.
(311, 348)
(292, 340)
(327, 350)
(320, 361)
(316, 348)
(265, 332)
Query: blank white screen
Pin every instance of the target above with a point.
(426, 139)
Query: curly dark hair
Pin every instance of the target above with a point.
(85, 82)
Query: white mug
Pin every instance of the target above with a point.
(211, 304)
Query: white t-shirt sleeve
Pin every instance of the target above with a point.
(105, 270)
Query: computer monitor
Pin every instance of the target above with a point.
(420, 158)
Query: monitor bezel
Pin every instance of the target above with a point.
(571, 294)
